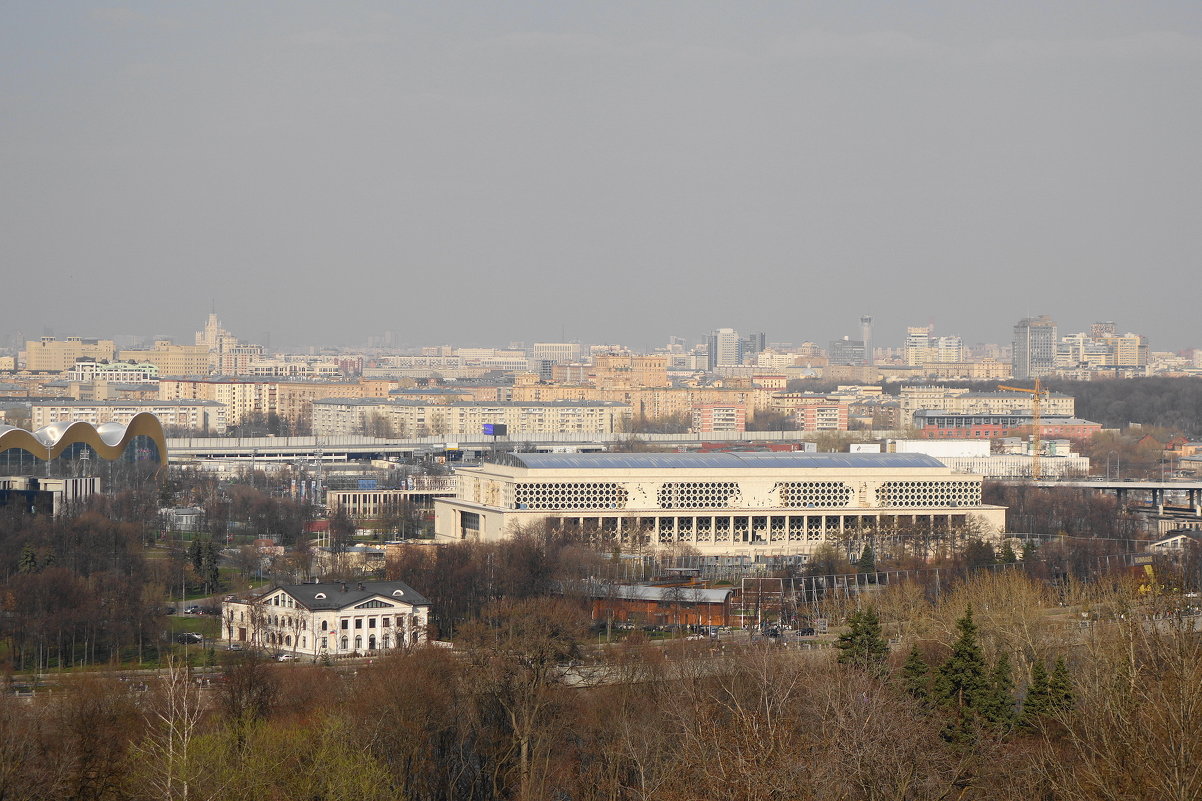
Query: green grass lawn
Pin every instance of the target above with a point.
(207, 625)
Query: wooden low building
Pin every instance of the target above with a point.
(683, 605)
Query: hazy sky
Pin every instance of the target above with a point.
(612, 171)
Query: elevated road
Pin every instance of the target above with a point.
(1113, 485)
(1156, 493)
(347, 448)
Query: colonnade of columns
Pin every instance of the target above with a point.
(766, 529)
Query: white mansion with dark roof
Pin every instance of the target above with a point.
(333, 618)
(720, 504)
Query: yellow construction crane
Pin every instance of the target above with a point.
(1037, 395)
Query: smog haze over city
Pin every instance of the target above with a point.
(606, 172)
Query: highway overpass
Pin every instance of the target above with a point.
(337, 449)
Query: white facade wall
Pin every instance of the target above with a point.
(739, 511)
(1005, 466)
(278, 623)
(197, 416)
(943, 448)
(120, 372)
(558, 352)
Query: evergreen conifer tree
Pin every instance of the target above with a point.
(209, 560)
(961, 730)
(1007, 556)
(978, 554)
(1029, 549)
(28, 563)
(961, 680)
(862, 645)
(1038, 701)
(1060, 687)
(997, 704)
(867, 561)
(196, 554)
(916, 676)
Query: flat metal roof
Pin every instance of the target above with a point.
(719, 461)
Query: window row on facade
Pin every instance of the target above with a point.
(344, 623)
(572, 495)
(344, 643)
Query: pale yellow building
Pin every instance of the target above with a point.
(171, 359)
(1129, 350)
(615, 371)
(57, 355)
(652, 402)
(289, 400)
(984, 370)
(417, 418)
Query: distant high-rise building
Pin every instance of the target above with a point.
(556, 352)
(846, 351)
(948, 349)
(1035, 342)
(1129, 350)
(1103, 329)
(227, 354)
(918, 345)
(724, 348)
(866, 336)
(922, 347)
(752, 344)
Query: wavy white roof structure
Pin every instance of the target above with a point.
(109, 440)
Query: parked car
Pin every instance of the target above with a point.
(192, 610)
(286, 658)
(189, 637)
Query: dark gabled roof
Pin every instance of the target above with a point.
(336, 598)
(724, 461)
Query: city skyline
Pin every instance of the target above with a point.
(465, 174)
(882, 340)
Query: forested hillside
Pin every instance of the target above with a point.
(994, 692)
(1173, 403)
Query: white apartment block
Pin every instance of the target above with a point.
(197, 415)
(290, 368)
(239, 398)
(116, 372)
(558, 352)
